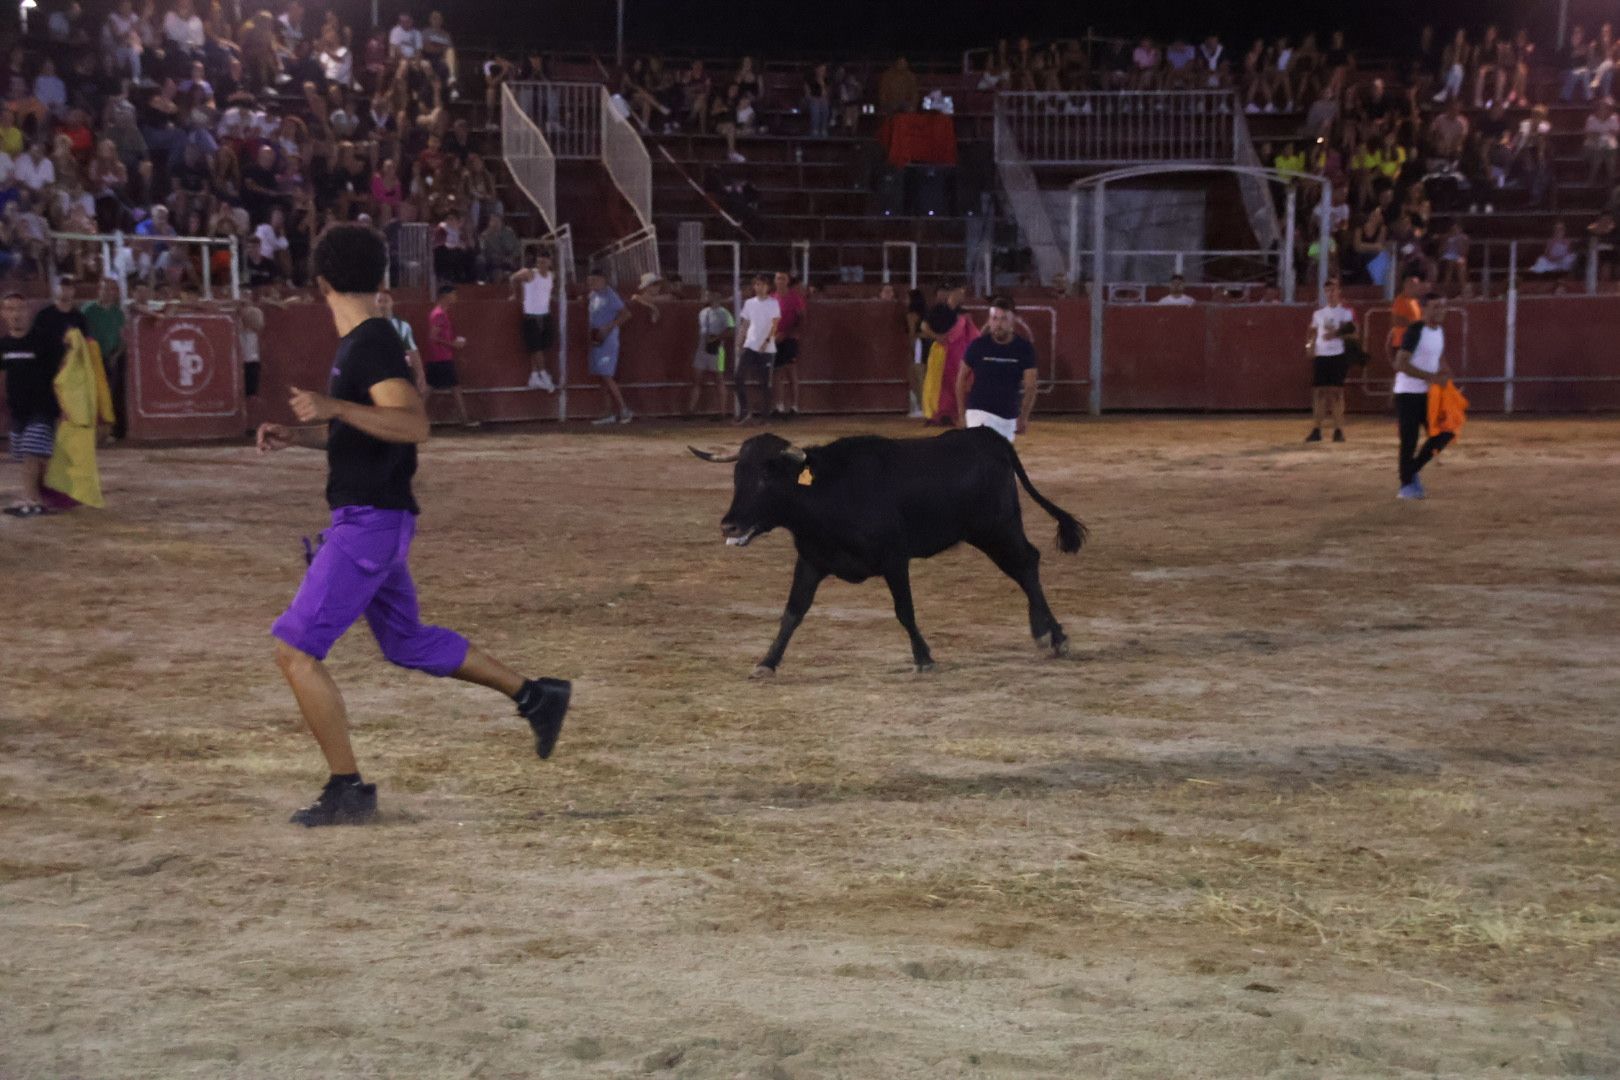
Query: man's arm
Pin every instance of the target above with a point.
(396, 416)
(272, 437)
(963, 375)
(1031, 377)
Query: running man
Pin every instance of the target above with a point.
(1331, 325)
(370, 422)
(1419, 364)
(537, 286)
(1000, 366)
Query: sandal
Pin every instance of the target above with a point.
(25, 509)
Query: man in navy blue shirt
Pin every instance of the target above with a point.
(1001, 366)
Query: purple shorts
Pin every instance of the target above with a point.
(362, 569)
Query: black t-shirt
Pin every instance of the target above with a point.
(49, 327)
(29, 375)
(998, 374)
(362, 470)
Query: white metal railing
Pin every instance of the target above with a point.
(415, 258)
(1118, 127)
(568, 114)
(627, 258)
(527, 153)
(627, 161)
(126, 255)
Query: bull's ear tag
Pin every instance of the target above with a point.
(804, 477)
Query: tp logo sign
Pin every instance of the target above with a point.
(185, 358)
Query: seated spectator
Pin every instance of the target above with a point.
(1454, 258)
(1177, 296)
(500, 252)
(1602, 137)
(1584, 58)
(261, 186)
(337, 62)
(1145, 60)
(269, 257)
(49, 90)
(1178, 59)
(34, 171)
(439, 50)
(851, 97)
(121, 41)
(1448, 136)
(183, 37)
(1558, 257)
(1321, 115)
(404, 40)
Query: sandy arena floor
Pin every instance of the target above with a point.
(1329, 787)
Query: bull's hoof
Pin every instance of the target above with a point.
(923, 669)
(762, 671)
(1061, 648)
(1043, 641)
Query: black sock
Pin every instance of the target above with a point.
(344, 778)
(527, 693)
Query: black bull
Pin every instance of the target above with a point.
(866, 506)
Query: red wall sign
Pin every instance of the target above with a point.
(185, 378)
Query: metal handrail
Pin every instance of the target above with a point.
(1118, 126)
(528, 155)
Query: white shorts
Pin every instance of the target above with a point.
(1007, 429)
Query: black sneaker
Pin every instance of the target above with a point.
(544, 703)
(1338, 435)
(1314, 436)
(340, 803)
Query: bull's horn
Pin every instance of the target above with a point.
(714, 455)
(794, 454)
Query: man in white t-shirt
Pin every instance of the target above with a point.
(536, 286)
(184, 30)
(1177, 296)
(756, 346)
(1602, 139)
(1331, 326)
(1419, 364)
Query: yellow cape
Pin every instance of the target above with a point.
(72, 470)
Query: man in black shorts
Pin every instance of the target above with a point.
(536, 287)
(1331, 326)
(370, 422)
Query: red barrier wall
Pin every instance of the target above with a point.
(184, 379)
(1213, 356)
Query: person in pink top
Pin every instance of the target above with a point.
(385, 185)
(790, 298)
(442, 346)
(956, 341)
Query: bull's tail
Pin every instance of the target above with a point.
(1071, 532)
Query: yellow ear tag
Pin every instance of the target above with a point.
(805, 477)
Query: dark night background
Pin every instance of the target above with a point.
(877, 28)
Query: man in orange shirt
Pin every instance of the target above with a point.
(1408, 310)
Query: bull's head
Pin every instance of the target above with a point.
(767, 470)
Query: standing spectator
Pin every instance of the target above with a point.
(916, 311)
(407, 338)
(605, 314)
(897, 88)
(790, 324)
(850, 92)
(1178, 292)
(252, 327)
(756, 346)
(1331, 326)
(453, 249)
(715, 328)
(1419, 364)
(31, 399)
(537, 286)
(995, 387)
(104, 318)
(1602, 138)
(443, 345)
(818, 100)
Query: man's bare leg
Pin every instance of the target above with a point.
(321, 704)
(1338, 410)
(484, 670)
(613, 392)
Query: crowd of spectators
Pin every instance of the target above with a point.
(166, 119)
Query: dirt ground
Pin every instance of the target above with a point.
(1328, 787)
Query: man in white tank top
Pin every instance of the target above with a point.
(1419, 364)
(537, 286)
